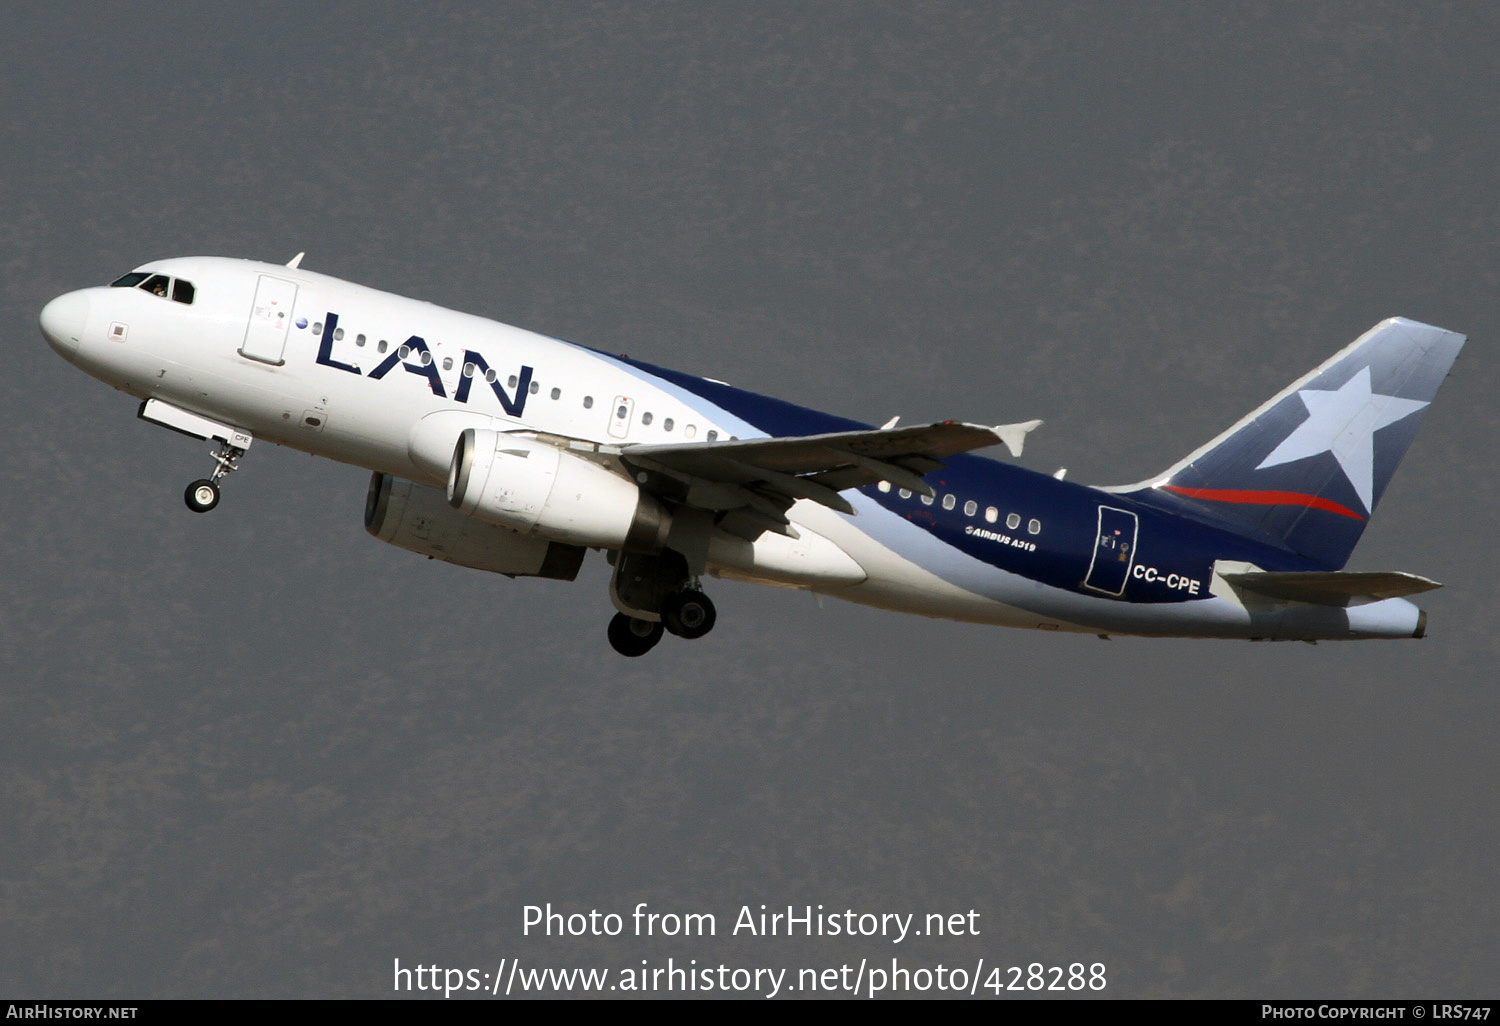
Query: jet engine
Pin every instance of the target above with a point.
(418, 518)
(539, 489)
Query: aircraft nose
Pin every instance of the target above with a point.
(63, 321)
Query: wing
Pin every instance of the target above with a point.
(753, 482)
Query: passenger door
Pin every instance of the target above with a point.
(1114, 551)
(270, 320)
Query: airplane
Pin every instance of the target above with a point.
(504, 450)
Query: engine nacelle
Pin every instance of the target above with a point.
(540, 489)
(418, 518)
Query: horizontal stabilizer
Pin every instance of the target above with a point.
(1332, 588)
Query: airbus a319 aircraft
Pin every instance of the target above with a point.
(504, 450)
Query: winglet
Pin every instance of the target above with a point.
(890, 423)
(296, 260)
(1014, 435)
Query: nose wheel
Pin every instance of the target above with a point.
(203, 495)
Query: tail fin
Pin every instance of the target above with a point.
(1306, 470)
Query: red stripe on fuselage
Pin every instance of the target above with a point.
(1265, 499)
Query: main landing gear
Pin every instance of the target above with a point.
(203, 495)
(687, 614)
(655, 595)
(632, 637)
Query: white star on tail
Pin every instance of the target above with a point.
(1344, 422)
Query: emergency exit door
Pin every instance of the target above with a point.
(619, 420)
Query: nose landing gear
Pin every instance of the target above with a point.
(203, 495)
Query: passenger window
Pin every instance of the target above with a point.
(713, 436)
(156, 285)
(588, 402)
(970, 508)
(1013, 520)
(317, 327)
(949, 501)
(1033, 527)
(691, 430)
(645, 418)
(447, 363)
(905, 493)
(535, 388)
(359, 340)
(512, 382)
(382, 346)
(338, 334)
(182, 291)
(927, 500)
(490, 375)
(469, 369)
(667, 424)
(884, 486)
(426, 359)
(557, 393)
(991, 514)
(129, 281)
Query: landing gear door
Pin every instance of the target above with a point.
(1114, 551)
(270, 319)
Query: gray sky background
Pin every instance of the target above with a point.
(257, 753)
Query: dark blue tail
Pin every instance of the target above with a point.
(1306, 470)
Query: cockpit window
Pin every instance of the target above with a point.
(158, 285)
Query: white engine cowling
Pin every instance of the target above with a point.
(538, 488)
(418, 518)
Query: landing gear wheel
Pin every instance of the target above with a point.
(688, 614)
(202, 496)
(632, 637)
